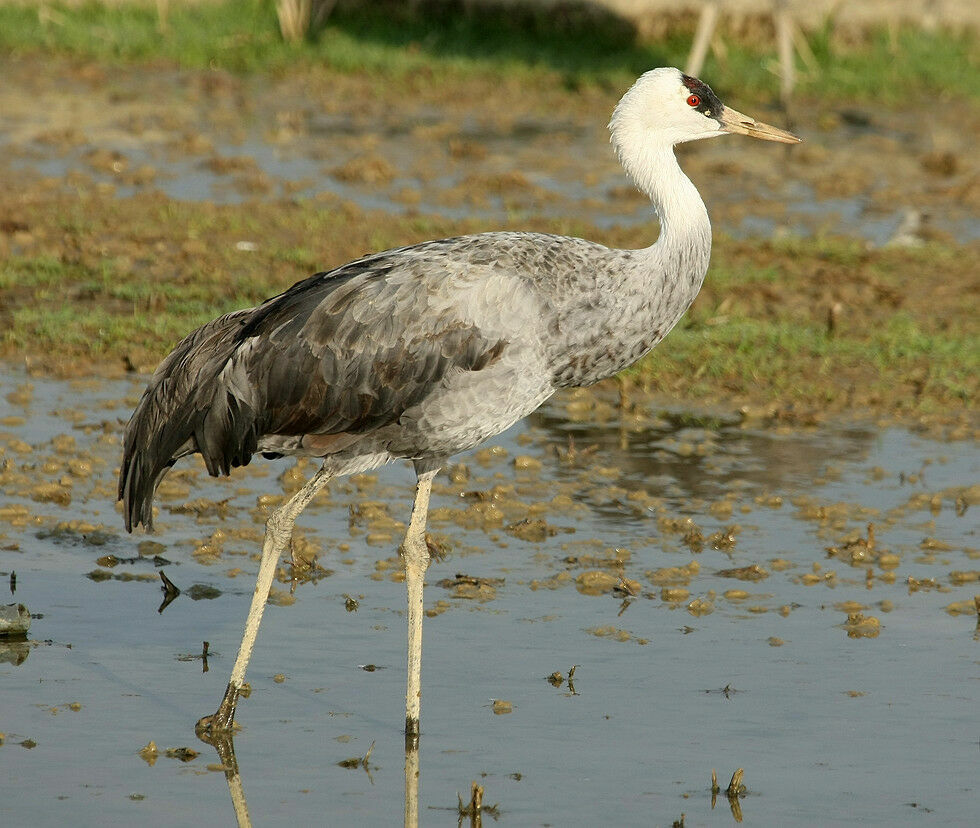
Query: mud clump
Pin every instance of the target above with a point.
(860, 626)
(470, 587)
(601, 582)
(529, 529)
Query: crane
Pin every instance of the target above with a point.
(422, 352)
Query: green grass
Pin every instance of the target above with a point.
(440, 41)
(735, 350)
(762, 332)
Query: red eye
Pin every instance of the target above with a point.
(693, 100)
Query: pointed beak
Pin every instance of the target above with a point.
(733, 121)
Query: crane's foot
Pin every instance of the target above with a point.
(411, 733)
(221, 725)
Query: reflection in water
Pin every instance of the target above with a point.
(412, 773)
(224, 744)
(14, 652)
(697, 457)
(15, 621)
(733, 792)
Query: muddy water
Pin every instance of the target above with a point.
(252, 166)
(501, 153)
(680, 562)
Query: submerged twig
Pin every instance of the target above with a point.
(734, 791)
(735, 787)
(475, 808)
(170, 592)
(360, 762)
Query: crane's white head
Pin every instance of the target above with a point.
(666, 107)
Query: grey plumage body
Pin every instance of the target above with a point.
(426, 351)
(419, 353)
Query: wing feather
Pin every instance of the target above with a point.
(347, 351)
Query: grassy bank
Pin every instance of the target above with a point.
(112, 284)
(436, 39)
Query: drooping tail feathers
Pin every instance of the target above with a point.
(186, 408)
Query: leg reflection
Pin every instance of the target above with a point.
(411, 784)
(224, 744)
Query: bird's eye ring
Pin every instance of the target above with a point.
(693, 100)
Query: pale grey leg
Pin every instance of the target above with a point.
(416, 553)
(702, 38)
(278, 531)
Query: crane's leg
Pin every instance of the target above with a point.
(416, 553)
(278, 531)
(702, 38)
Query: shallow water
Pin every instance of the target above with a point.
(203, 136)
(830, 729)
(298, 171)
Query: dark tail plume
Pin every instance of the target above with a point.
(185, 409)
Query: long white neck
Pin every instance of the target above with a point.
(645, 292)
(684, 246)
